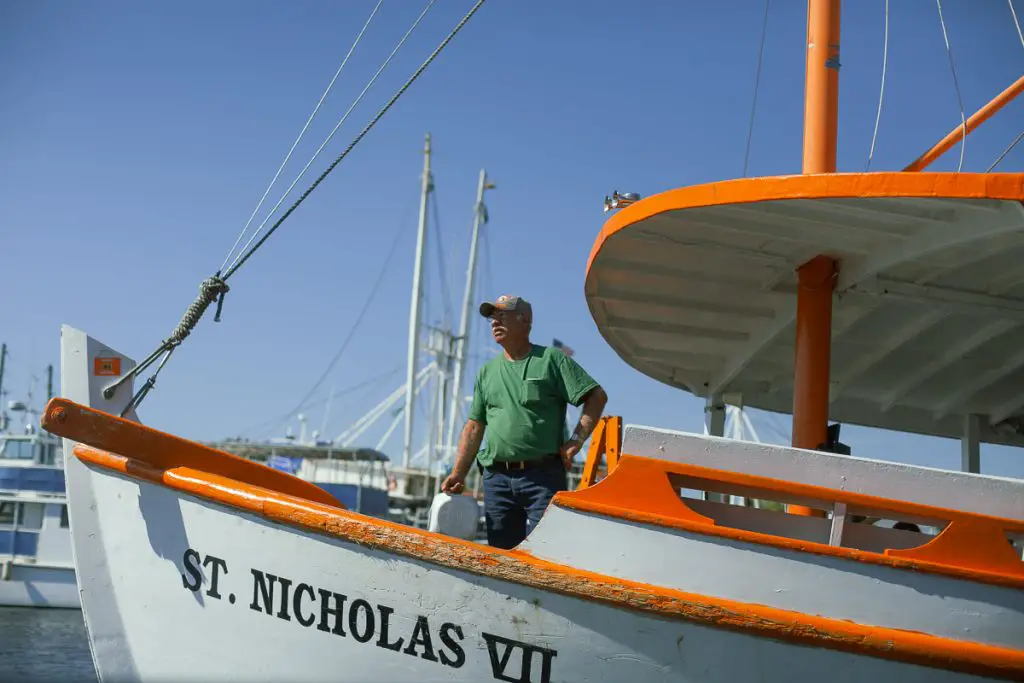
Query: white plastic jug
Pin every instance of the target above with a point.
(456, 516)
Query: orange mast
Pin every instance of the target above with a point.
(816, 278)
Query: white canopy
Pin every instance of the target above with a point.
(696, 288)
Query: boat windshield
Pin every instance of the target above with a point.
(16, 448)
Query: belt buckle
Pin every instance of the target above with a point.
(516, 465)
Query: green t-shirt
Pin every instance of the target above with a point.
(522, 403)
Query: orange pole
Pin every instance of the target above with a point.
(815, 281)
(816, 278)
(821, 96)
(957, 134)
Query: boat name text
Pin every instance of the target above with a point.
(331, 612)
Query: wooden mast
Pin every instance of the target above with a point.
(816, 278)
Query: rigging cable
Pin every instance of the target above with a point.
(1013, 144)
(757, 82)
(281, 419)
(881, 91)
(1005, 152)
(1016, 23)
(355, 326)
(441, 264)
(242, 256)
(214, 288)
(956, 86)
(301, 133)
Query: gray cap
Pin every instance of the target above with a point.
(507, 302)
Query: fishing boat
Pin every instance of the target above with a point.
(746, 287)
(36, 566)
(356, 477)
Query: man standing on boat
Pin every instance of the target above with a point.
(520, 400)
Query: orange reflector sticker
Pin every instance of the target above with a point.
(106, 366)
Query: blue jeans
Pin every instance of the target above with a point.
(515, 501)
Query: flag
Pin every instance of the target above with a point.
(562, 347)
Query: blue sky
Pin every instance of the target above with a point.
(138, 138)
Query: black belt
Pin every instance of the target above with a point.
(520, 465)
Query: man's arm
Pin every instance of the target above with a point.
(593, 406)
(469, 446)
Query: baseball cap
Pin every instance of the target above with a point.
(507, 302)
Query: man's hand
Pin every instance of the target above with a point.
(453, 484)
(568, 451)
(469, 444)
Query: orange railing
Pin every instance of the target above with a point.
(606, 443)
(648, 490)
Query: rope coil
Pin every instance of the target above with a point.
(210, 290)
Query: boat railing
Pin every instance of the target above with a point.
(702, 499)
(891, 480)
(603, 454)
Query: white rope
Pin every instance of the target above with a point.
(881, 91)
(301, 133)
(1015, 22)
(335, 130)
(956, 86)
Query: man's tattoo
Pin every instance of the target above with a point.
(469, 444)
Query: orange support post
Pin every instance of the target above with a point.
(811, 365)
(821, 96)
(612, 442)
(597, 440)
(957, 134)
(605, 442)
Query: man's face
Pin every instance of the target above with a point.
(508, 326)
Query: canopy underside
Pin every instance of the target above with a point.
(697, 288)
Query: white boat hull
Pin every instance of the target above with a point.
(251, 600)
(194, 566)
(30, 585)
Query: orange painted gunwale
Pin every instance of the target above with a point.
(631, 491)
(523, 568)
(165, 451)
(1005, 186)
(627, 493)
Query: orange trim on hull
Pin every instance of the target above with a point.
(522, 568)
(971, 547)
(76, 422)
(637, 488)
(1006, 186)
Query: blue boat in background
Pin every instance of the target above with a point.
(357, 477)
(36, 564)
(36, 561)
